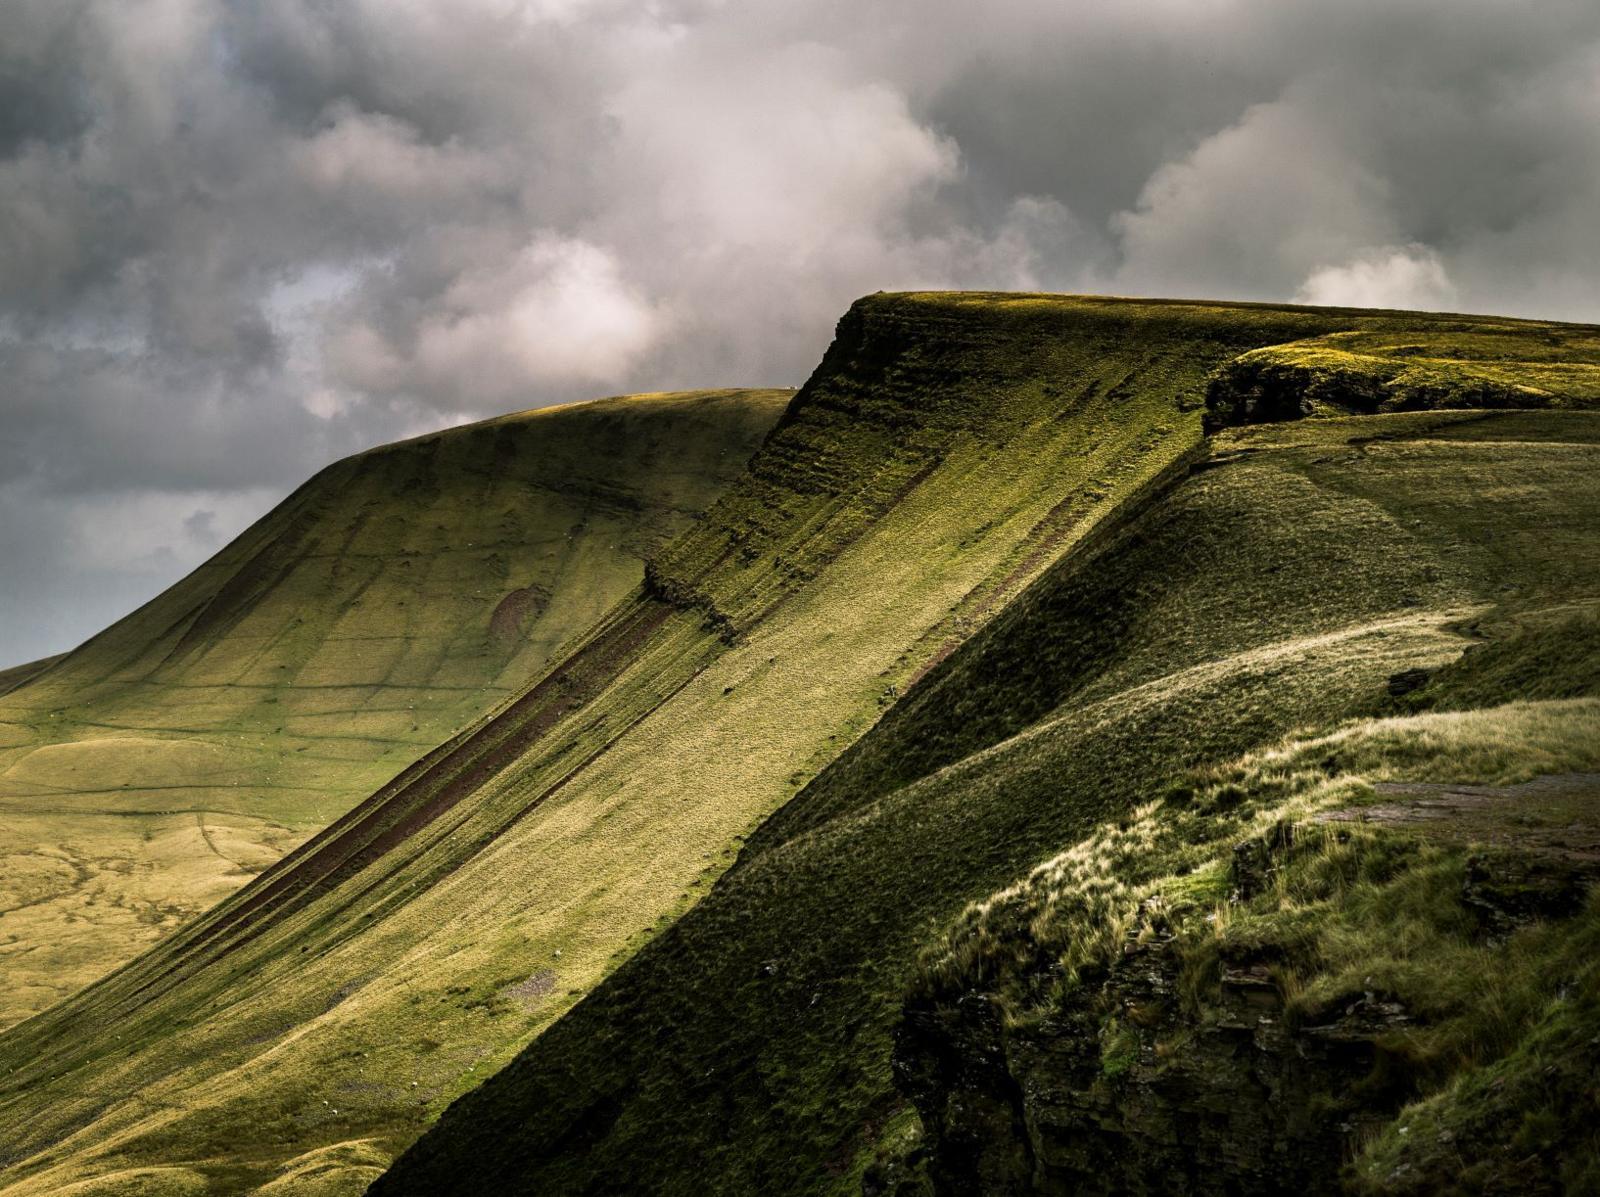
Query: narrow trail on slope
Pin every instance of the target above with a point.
(1556, 815)
(205, 834)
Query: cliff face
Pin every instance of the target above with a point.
(1456, 366)
(1174, 1065)
(1232, 1101)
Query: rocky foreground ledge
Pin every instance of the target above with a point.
(1204, 1054)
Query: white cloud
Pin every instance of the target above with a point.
(554, 315)
(1410, 277)
(239, 239)
(1271, 195)
(784, 153)
(371, 156)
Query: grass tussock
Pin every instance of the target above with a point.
(1344, 911)
(1498, 745)
(1076, 909)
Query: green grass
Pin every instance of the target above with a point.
(747, 1048)
(1340, 896)
(1343, 911)
(1456, 366)
(993, 488)
(1551, 653)
(390, 600)
(945, 454)
(1525, 1122)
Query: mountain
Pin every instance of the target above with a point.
(931, 971)
(391, 599)
(684, 913)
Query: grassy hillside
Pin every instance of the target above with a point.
(1319, 968)
(390, 600)
(1286, 584)
(949, 452)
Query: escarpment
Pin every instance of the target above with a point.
(647, 922)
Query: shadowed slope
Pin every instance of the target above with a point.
(749, 1048)
(391, 599)
(948, 450)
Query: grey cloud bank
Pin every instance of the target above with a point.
(238, 240)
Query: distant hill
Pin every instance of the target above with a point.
(688, 911)
(391, 599)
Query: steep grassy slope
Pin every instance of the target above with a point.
(1284, 584)
(1318, 969)
(389, 601)
(947, 450)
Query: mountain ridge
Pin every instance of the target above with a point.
(813, 682)
(370, 614)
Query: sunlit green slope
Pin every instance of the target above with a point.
(949, 450)
(391, 599)
(1284, 584)
(946, 451)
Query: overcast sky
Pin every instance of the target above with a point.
(241, 239)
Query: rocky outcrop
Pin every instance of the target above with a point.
(1176, 1068)
(1121, 1091)
(1317, 378)
(1261, 388)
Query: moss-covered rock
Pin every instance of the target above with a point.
(1362, 373)
(1377, 948)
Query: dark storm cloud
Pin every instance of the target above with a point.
(240, 238)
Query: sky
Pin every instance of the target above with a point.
(240, 240)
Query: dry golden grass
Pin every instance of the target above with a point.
(150, 773)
